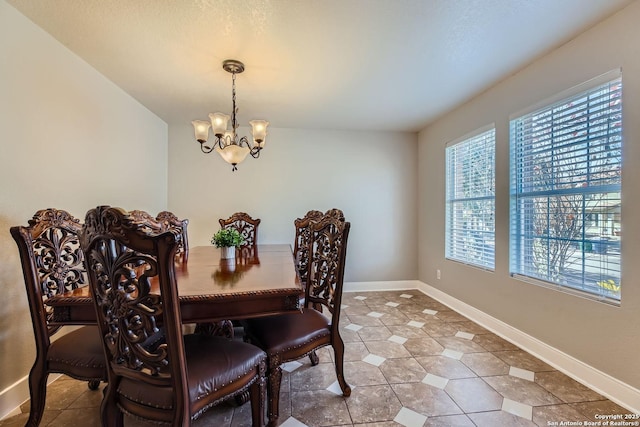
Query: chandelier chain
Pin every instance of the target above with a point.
(234, 124)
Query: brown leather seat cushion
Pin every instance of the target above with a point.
(283, 332)
(79, 354)
(212, 364)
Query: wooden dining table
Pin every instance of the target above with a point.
(260, 281)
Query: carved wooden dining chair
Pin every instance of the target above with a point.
(288, 337)
(301, 257)
(52, 263)
(155, 372)
(169, 219)
(246, 226)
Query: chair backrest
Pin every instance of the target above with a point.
(246, 226)
(164, 221)
(52, 263)
(169, 219)
(145, 219)
(131, 271)
(336, 213)
(301, 243)
(325, 272)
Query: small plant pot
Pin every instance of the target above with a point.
(228, 252)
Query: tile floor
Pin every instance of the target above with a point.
(411, 362)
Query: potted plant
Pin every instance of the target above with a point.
(228, 239)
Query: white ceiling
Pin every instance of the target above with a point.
(342, 64)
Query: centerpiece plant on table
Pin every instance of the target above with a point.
(228, 239)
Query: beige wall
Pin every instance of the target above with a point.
(371, 176)
(70, 139)
(600, 335)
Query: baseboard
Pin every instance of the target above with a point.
(615, 390)
(380, 286)
(12, 397)
(16, 394)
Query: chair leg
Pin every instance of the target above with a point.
(38, 394)
(109, 411)
(273, 391)
(313, 357)
(257, 396)
(338, 350)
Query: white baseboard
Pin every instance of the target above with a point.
(15, 395)
(12, 397)
(380, 286)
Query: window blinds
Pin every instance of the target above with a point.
(566, 161)
(470, 200)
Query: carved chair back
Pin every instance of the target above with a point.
(246, 226)
(301, 243)
(141, 329)
(164, 221)
(336, 213)
(146, 220)
(169, 219)
(325, 271)
(52, 263)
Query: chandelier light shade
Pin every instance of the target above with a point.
(227, 144)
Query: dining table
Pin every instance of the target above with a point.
(261, 280)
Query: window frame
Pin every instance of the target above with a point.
(605, 189)
(478, 136)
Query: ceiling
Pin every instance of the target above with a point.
(392, 65)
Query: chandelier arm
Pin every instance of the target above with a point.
(255, 152)
(244, 142)
(224, 141)
(207, 150)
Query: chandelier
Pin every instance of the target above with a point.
(227, 144)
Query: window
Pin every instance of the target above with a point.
(470, 200)
(566, 161)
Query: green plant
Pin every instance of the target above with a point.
(227, 237)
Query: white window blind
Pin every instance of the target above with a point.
(470, 200)
(566, 161)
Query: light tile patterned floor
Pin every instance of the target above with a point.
(410, 360)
